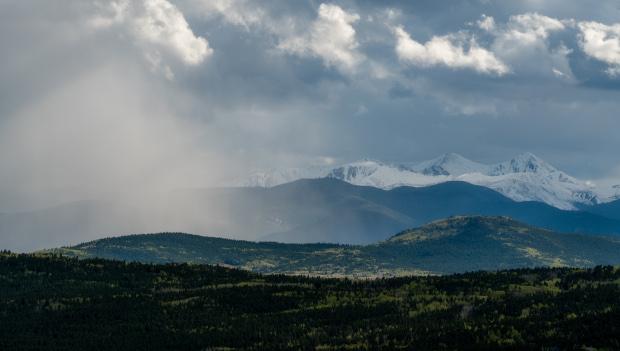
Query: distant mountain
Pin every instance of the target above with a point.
(275, 177)
(417, 206)
(523, 178)
(614, 192)
(449, 164)
(315, 210)
(609, 210)
(456, 244)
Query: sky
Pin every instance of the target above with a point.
(100, 98)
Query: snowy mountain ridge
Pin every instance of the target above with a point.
(449, 164)
(525, 177)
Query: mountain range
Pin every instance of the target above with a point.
(331, 210)
(525, 177)
(303, 211)
(456, 244)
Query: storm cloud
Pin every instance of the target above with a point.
(101, 98)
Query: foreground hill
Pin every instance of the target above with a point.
(456, 244)
(319, 210)
(56, 303)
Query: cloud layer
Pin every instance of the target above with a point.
(113, 96)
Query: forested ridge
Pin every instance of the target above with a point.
(50, 302)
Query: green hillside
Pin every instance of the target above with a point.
(457, 244)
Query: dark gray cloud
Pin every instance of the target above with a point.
(103, 97)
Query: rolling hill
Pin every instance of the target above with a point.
(456, 244)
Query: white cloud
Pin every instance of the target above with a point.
(158, 27)
(163, 24)
(250, 15)
(523, 42)
(525, 31)
(486, 23)
(330, 37)
(528, 28)
(449, 51)
(602, 42)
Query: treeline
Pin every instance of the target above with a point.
(57, 303)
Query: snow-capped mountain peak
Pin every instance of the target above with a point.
(380, 175)
(449, 164)
(348, 172)
(525, 177)
(523, 163)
